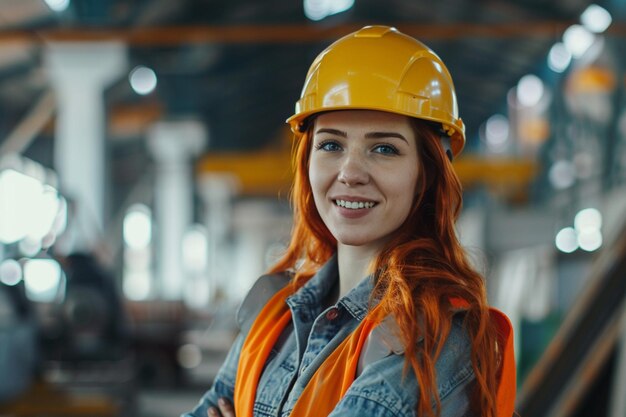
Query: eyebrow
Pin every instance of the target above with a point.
(380, 135)
(369, 135)
(333, 132)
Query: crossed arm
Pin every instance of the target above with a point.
(224, 409)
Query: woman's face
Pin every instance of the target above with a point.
(363, 172)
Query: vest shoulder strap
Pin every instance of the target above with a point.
(263, 289)
(381, 342)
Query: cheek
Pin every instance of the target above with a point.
(318, 174)
(315, 189)
(313, 177)
(406, 188)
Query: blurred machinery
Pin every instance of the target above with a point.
(18, 341)
(85, 364)
(93, 324)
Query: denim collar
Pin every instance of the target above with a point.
(356, 301)
(314, 292)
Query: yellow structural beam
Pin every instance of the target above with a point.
(495, 171)
(261, 173)
(268, 172)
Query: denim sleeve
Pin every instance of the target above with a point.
(455, 366)
(224, 383)
(384, 390)
(457, 402)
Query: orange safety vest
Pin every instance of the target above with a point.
(333, 378)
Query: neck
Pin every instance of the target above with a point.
(353, 262)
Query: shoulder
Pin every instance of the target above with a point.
(384, 340)
(384, 382)
(258, 295)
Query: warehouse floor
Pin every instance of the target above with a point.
(166, 403)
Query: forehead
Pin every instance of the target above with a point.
(370, 120)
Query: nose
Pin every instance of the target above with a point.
(353, 170)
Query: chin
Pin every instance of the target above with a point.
(356, 241)
(352, 242)
(349, 242)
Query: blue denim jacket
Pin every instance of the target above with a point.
(380, 390)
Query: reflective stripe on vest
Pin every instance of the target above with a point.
(332, 379)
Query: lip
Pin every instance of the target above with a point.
(353, 213)
(352, 198)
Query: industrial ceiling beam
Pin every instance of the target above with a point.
(288, 33)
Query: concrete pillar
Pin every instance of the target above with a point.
(217, 191)
(259, 225)
(249, 265)
(79, 73)
(173, 144)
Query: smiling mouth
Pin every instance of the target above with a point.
(355, 205)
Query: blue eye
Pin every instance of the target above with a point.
(328, 146)
(386, 149)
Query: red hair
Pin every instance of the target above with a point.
(420, 269)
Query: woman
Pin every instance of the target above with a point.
(380, 313)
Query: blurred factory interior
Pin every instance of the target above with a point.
(145, 173)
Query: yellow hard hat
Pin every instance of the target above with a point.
(380, 68)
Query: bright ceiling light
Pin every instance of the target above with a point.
(338, 6)
(319, 9)
(578, 40)
(596, 19)
(566, 240)
(529, 90)
(10, 272)
(48, 205)
(29, 207)
(195, 249)
(20, 196)
(562, 174)
(590, 240)
(589, 219)
(559, 57)
(496, 132)
(29, 247)
(315, 9)
(42, 278)
(137, 227)
(137, 285)
(143, 80)
(58, 5)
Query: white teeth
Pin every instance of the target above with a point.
(354, 204)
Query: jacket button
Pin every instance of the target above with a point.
(332, 314)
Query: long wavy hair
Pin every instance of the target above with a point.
(419, 272)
